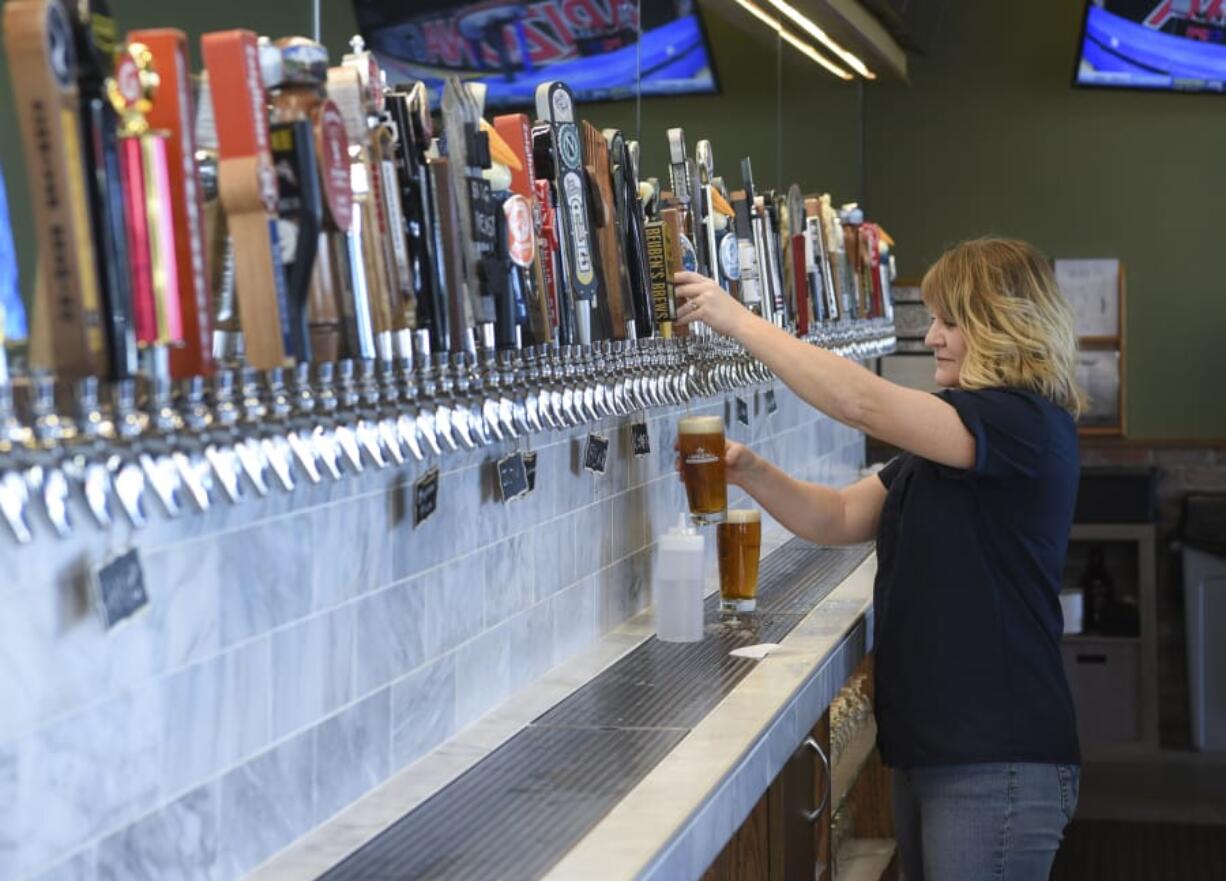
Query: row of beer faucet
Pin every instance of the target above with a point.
(298, 279)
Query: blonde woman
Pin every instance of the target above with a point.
(971, 522)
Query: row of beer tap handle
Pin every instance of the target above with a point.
(245, 433)
(282, 273)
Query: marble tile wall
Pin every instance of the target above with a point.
(300, 649)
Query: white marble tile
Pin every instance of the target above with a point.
(85, 774)
(176, 843)
(625, 590)
(593, 538)
(391, 627)
(266, 804)
(265, 576)
(531, 649)
(423, 710)
(575, 622)
(352, 753)
(215, 714)
(454, 604)
(82, 866)
(509, 578)
(8, 811)
(361, 533)
(313, 669)
(554, 546)
(483, 674)
(185, 608)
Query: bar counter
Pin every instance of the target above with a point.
(638, 759)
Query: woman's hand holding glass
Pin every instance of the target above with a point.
(739, 463)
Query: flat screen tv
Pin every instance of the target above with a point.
(1174, 45)
(598, 47)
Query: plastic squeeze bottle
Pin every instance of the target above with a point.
(679, 584)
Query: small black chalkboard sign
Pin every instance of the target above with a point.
(742, 411)
(119, 588)
(771, 404)
(530, 469)
(595, 457)
(425, 496)
(512, 476)
(641, 439)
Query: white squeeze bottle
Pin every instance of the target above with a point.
(679, 584)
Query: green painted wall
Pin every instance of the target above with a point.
(991, 138)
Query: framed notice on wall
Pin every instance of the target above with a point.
(1095, 290)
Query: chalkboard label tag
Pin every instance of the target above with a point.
(119, 589)
(512, 477)
(530, 469)
(771, 404)
(597, 453)
(425, 496)
(742, 411)
(641, 439)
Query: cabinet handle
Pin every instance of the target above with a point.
(813, 815)
(1091, 659)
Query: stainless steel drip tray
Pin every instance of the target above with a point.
(522, 808)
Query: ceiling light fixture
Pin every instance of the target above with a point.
(807, 25)
(797, 43)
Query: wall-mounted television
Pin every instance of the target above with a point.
(600, 48)
(1173, 45)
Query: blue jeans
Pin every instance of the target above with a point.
(990, 822)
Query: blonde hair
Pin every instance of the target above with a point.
(1017, 326)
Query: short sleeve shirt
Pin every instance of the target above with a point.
(967, 611)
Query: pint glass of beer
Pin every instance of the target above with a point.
(701, 442)
(739, 542)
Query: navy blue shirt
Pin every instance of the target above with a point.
(966, 600)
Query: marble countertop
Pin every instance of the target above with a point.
(674, 823)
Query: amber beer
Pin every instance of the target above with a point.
(701, 443)
(739, 542)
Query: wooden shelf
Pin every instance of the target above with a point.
(851, 762)
(864, 859)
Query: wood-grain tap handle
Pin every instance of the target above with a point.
(67, 334)
(248, 189)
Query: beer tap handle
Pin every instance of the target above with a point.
(68, 326)
(173, 112)
(555, 105)
(248, 187)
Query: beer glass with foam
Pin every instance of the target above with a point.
(700, 440)
(739, 544)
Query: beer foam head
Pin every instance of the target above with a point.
(743, 515)
(701, 425)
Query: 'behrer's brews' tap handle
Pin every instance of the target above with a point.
(248, 187)
(173, 112)
(67, 334)
(555, 105)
